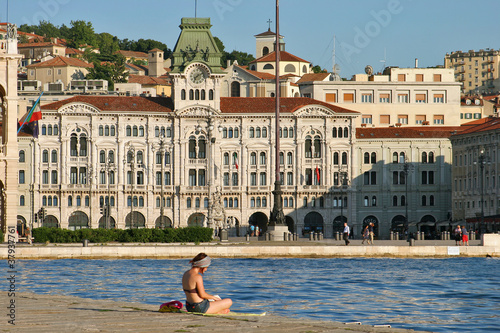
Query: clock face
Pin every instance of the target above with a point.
(197, 76)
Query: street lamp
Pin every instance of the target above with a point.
(162, 151)
(407, 167)
(482, 160)
(344, 179)
(130, 159)
(109, 167)
(90, 174)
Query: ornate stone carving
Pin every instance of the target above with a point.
(78, 108)
(314, 110)
(11, 31)
(218, 213)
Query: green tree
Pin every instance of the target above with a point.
(107, 43)
(81, 33)
(220, 44)
(112, 69)
(318, 69)
(243, 58)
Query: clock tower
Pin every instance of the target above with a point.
(196, 68)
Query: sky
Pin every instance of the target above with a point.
(367, 32)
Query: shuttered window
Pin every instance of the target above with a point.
(349, 98)
(331, 97)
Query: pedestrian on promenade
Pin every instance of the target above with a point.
(197, 299)
(346, 234)
(370, 229)
(458, 235)
(256, 231)
(366, 235)
(465, 236)
(252, 228)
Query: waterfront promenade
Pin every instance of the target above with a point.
(50, 314)
(238, 247)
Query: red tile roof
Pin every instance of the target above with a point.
(406, 132)
(313, 77)
(155, 50)
(148, 80)
(284, 56)
(265, 76)
(61, 61)
(118, 103)
(268, 105)
(481, 125)
(70, 50)
(132, 54)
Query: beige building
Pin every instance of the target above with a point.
(9, 172)
(476, 175)
(476, 70)
(33, 52)
(401, 97)
(60, 70)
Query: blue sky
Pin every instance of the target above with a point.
(367, 31)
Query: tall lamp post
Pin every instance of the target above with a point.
(406, 169)
(343, 178)
(162, 151)
(109, 168)
(90, 174)
(482, 161)
(130, 159)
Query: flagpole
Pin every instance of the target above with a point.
(30, 113)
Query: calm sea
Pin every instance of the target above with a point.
(440, 295)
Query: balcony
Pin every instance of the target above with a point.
(197, 161)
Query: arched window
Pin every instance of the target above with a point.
(141, 130)
(235, 89)
(224, 133)
(424, 157)
(424, 200)
(70, 201)
(141, 201)
(49, 130)
(431, 157)
(252, 202)
(308, 147)
(134, 131)
(251, 132)
(140, 157)
(56, 203)
(366, 201)
(128, 131)
(258, 202)
(334, 132)
(111, 156)
(262, 158)
(374, 201)
(197, 94)
(289, 158)
(289, 68)
(268, 66)
(236, 132)
(44, 129)
(395, 200)
(45, 156)
(203, 95)
(22, 156)
(157, 202)
(56, 130)
(431, 200)
(102, 156)
(225, 203)
(202, 147)
(112, 131)
(226, 159)
(21, 200)
(230, 133)
(401, 157)
(374, 158)
(257, 132)
(253, 159)
(264, 132)
(183, 94)
(211, 94)
(290, 202)
(265, 50)
(192, 147)
(101, 130)
(191, 94)
(394, 157)
(83, 145)
(317, 147)
(339, 132)
(282, 158)
(290, 132)
(366, 158)
(403, 200)
(336, 158)
(344, 158)
(305, 202)
(235, 202)
(106, 130)
(346, 132)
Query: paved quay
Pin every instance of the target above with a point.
(52, 313)
(259, 248)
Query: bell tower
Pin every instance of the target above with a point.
(196, 66)
(9, 155)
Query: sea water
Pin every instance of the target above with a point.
(439, 295)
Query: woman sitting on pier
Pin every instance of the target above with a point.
(197, 299)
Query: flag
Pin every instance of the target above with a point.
(29, 124)
(235, 160)
(317, 174)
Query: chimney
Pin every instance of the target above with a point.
(228, 63)
(416, 62)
